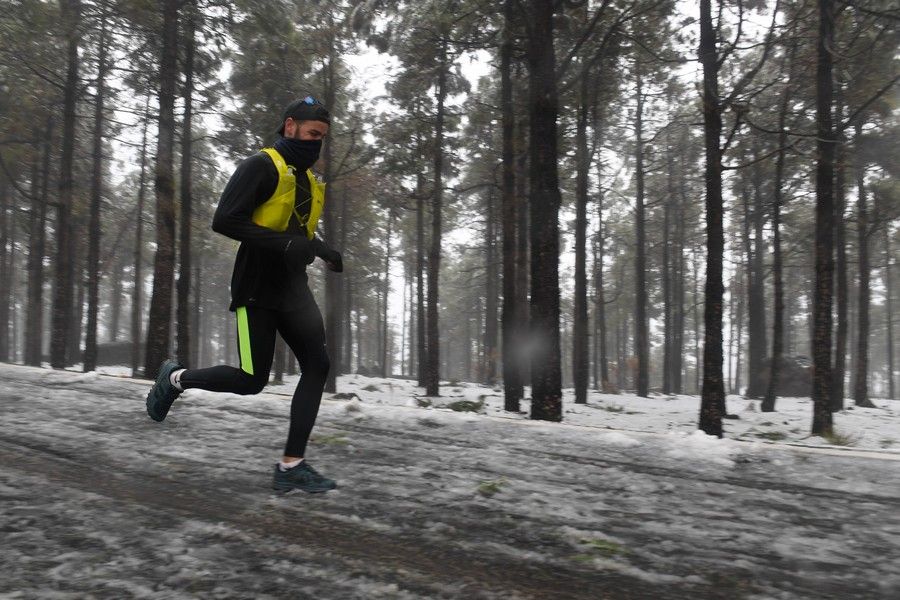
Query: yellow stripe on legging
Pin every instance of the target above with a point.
(244, 340)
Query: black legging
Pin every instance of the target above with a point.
(303, 331)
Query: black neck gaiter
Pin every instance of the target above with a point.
(300, 154)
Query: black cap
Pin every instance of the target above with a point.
(305, 109)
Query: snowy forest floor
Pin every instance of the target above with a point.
(624, 500)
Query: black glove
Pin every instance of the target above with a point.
(299, 251)
(331, 257)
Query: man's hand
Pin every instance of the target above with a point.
(332, 258)
(299, 251)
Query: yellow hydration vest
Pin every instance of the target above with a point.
(276, 212)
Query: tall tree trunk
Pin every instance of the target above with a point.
(641, 324)
(73, 353)
(580, 316)
(64, 271)
(600, 290)
(667, 269)
(137, 292)
(888, 313)
(158, 339)
(695, 280)
(345, 352)
(840, 240)
(768, 403)
(93, 266)
(731, 332)
(403, 322)
(742, 299)
(520, 332)
(5, 271)
(489, 375)
(433, 356)
(544, 203)
(11, 287)
(359, 339)
(512, 375)
(197, 284)
(756, 298)
(115, 301)
(861, 387)
(712, 402)
(678, 335)
(412, 334)
(385, 292)
(421, 329)
(747, 291)
(334, 227)
(34, 309)
(183, 288)
(348, 322)
(824, 254)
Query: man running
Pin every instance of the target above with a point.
(271, 205)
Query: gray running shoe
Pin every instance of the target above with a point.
(302, 477)
(163, 393)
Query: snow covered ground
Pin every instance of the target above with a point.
(868, 428)
(623, 500)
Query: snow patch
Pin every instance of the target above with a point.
(701, 447)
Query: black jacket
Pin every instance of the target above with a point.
(261, 277)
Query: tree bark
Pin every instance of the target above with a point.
(334, 228)
(512, 375)
(678, 334)
(756, 298)
(491, 351)
(421, 329)
(115, 302)
(712, 402)
(824, 249)
(34, 310)
(888, 313)
(137, 292)
(346, 350)
(5, 271)
(861, 387)
(768, 403)
(667, 269)
(158, 338)
(599, 288)
(93, 266)
(385, 292)
(197, 284)
(183, 340)
(641, 325)
(580, 316)
(544, 203)
(521, 354)
(64, 271)
(840, 240)
(433, 357)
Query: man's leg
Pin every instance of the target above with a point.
(256, 346)
(304, 332)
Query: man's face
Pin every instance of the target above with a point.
(305, 130)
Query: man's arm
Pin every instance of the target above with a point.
(254, 178)
(332, 258)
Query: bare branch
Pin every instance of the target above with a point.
(868, 103)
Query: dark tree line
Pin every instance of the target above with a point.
(559, 223)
